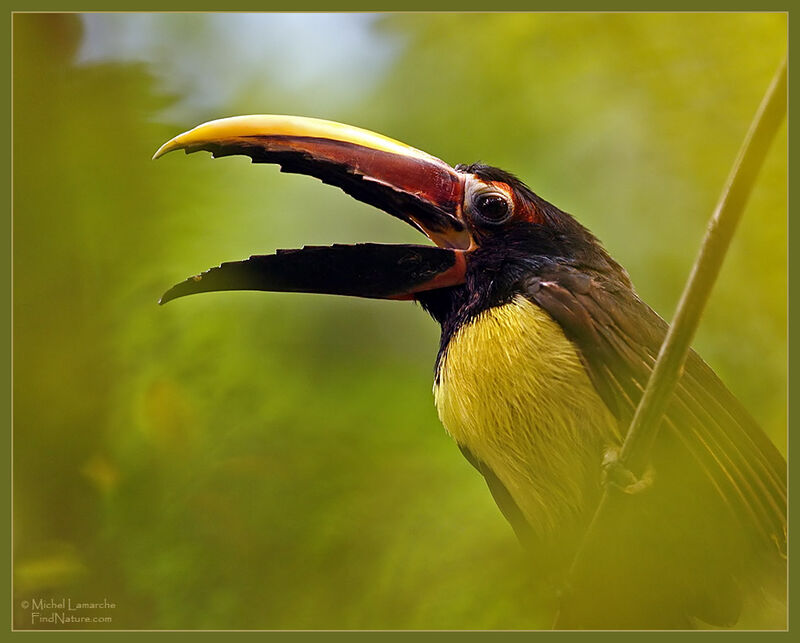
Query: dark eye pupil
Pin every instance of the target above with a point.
(492, 207)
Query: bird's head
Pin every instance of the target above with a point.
(484, 221)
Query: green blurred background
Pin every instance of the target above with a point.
(275, 461)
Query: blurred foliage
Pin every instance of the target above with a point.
(275, 461)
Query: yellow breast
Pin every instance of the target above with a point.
(512, 389)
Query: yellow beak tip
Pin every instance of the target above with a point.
(166, 147)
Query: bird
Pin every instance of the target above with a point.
(544, 354)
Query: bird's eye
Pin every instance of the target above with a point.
(492, 208)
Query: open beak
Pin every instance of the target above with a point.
(400, 180)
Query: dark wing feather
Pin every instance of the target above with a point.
(716, 516)
(501, 496)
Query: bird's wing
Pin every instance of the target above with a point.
(509, 508)
(719, 500)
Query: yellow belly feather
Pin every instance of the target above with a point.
(512, 389)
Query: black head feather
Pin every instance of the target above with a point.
(505, 261)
